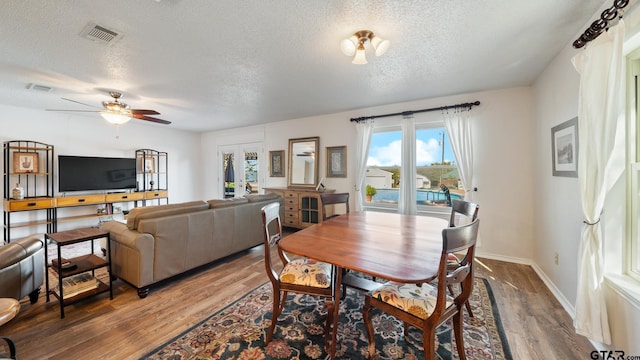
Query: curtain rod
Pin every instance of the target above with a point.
(409, 113)
(596, 28)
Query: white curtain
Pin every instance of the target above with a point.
(458, 128)
(407, 198)
(600, 164)
(363, 133)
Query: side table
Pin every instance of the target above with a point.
(66, 268)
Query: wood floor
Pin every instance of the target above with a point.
(127, 327)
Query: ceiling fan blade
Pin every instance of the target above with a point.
(144, 112)
(152, 119)
(72, 110)
(81, 103)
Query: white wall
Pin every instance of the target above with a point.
(90, 135)
(502, 130)
(558, 216)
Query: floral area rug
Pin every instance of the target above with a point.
(239, 330)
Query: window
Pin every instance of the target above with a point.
(437, 179)
(633, 243)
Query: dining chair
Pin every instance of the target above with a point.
(303, 276)
(428, 305)
(463, 208)
(9, 308)
(334, 199)
(469, 211)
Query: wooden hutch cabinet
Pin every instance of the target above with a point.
(302, 207)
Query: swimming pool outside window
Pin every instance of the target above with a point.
(437, 178)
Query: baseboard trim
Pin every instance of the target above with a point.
(510, 259)
(566, 304)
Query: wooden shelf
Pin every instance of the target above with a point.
(102, 287)
(29, 223)
(83, 263)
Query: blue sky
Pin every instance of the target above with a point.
(385, 148)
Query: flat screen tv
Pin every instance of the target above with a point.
(78, 173)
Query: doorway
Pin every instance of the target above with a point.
(240, 169)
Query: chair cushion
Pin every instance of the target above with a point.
(307, 272)
(452, 260)
(9, 308)
(417, 300)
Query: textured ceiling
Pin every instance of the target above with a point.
(210, 65)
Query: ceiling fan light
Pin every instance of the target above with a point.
(114, 117)
(360, 58)
(380, 45)
(348, 46)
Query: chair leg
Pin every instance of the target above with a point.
(343, 294)
(429, 343)
(457, 330)
(366, 315)
(33, 296)
(468, 307)
(12, 347)
(466, 304)
(327, 327)
(274, 315)
(451, 290)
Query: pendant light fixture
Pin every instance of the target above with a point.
(354, 45)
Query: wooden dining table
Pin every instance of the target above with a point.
(391, 246)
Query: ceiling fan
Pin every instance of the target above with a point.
(117, 112)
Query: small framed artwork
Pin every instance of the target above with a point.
(336, 161)
(149, 164)
(564, 148)
(25, 162)
(276, 159)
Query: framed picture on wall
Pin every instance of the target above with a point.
(276, 159)
(336, 161)
(149, 164)
(564, 148)
(25, 162)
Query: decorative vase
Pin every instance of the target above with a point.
(18, 192)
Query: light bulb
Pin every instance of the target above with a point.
(348, 46)
(380, 45)
(115, 118)
(360, 58)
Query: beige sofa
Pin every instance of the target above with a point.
(22, 268)
(159, 242)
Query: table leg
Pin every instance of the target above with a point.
(46, 265)
(336, 312)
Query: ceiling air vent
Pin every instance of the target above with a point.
(100, 34)
(37, 87)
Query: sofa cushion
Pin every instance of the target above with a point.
(261, 197)
(139, 213)
(221, 203)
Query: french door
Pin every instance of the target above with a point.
(240, 169)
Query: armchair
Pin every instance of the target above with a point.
(22, 267)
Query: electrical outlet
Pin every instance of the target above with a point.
(555, 258)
